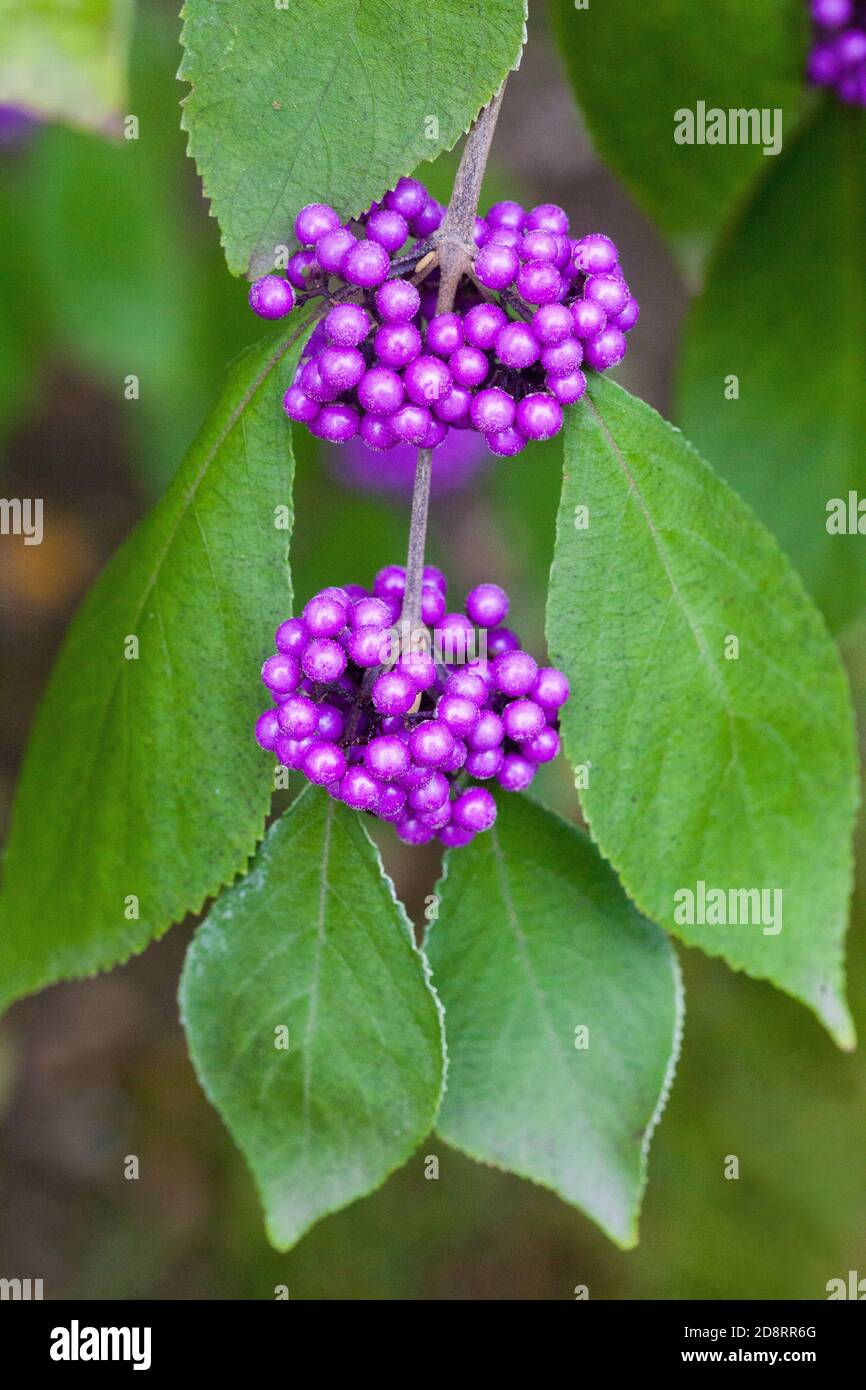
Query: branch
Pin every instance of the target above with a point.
(454, 244)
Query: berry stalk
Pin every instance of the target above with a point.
(453, 243)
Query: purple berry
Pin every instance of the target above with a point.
(398, 301)
(299, 406)
(543, 747)
(514, 673)
(552, 324)
(487, 605)
(341, 368)
(281, 674)
(539, 282)
(488, 731)
(271, 297)
(394, 693)
(324, 660)
(411, 423)
(429, 219)
(397, 344)
(387, 227)
(606, 349)
(459, 714)
(517, 346)
(333, 248)
(332, 722)
(499, 640)
(562, 358)
(291, 637)
(594, 254)
(506, 443)
(392, 801)
(628, 317)
(314, 221)
(324, 763)
(311, 383)
(291, 751)
(431, 743)
(474, 810)
(482, 325)
(359, 790)
(377, 433)
(496, 266)
(469, 366)
(267, 729)
(390, 583)
(298, 717)
(485, 764)
(550, 688)
(589, 319)
(569, 388)
(468, 684)
(522, 719)
(493, 410)
(454, 407)
(539, 416)
(347, 325)
(366, 264)
(608, 292)
(432, 795)
(301, 267)
(444, 334)
(506, 214)
(420, 668)
(549, 217)
(516, 773)
(386, 757)
(326, 614)
(432, 604)
(455, 837)
(369, 611)
(408, 197)
(413, 831)
(337, 423)
(380, 391)
(540, 245)
(365, 646)
(427, 380)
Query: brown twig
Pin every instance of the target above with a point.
(454, 247)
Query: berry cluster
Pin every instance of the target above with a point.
(838, 56)
(537, 308)
(406, 734)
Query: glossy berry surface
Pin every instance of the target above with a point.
(538, 310)
(415, 737)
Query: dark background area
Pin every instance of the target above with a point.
(114, 267)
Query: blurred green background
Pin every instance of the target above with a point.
(112, 267)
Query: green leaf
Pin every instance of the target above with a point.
(792, 274)
(310, 1019)
(535, 940)
(65, 60)
(732, 767)
(325, 101)
(143, 789)
(635, 64)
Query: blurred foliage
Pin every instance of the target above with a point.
(116, 265)
(115, 268)
(66, 59)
